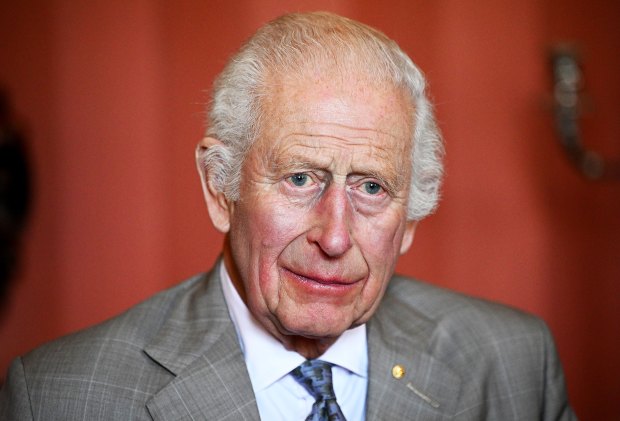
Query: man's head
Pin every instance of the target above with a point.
(321, 155)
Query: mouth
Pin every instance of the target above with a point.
(321, 280)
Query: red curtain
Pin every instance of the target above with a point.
(112, 95)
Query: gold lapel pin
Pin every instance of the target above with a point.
(398, 371)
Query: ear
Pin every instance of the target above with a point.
(408, 236)
(219, 207)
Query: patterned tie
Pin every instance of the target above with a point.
(316, 377)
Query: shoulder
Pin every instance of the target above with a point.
(463, 318)
(480, 340)
(503, 355)
(460, 329)
(78, 373)
(121, 336)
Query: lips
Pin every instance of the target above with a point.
(320, 279)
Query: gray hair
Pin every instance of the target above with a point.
(288, 44)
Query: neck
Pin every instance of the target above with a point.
(307, 347)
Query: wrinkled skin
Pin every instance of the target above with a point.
(321, 220)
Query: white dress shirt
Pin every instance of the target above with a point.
(278, 395)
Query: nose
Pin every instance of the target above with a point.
(331, 231)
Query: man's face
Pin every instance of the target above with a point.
(321, 218)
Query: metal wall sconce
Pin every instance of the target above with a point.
(568, 107)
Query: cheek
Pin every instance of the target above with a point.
(274, 226)
(379, 243)
(264, 230)
(381, 238)
(262, 219)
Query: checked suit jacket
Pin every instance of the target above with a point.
(176, 357)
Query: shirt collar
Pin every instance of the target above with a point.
(256, 343)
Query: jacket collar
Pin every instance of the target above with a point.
(198, 345)
(421, 387)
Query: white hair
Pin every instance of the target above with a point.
(289, 44)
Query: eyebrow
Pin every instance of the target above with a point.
(293, 163)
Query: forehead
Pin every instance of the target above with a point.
(344, 113)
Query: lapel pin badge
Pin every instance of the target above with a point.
(398, 371)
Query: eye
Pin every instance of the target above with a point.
(372, 188)
(299, 179)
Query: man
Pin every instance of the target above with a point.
(320, 158)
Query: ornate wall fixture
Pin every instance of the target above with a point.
(568, 108)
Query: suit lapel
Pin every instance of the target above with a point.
(428, 389)
(199, 346)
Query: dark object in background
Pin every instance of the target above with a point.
(568, 106)
(14, 192)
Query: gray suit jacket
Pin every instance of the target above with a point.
(176, 357)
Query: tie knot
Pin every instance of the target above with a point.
(316, 377)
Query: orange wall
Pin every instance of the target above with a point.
(112, 92)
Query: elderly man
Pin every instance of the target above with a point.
(321, 157)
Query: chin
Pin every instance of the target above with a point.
(311, 327)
